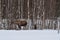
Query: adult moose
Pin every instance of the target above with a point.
(20, 23)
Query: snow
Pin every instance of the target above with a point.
(29, 35)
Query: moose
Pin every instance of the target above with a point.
(20, 22)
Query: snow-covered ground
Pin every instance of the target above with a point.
(29, 35)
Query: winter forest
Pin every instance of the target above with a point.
(29, 14)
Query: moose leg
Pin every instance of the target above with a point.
(19, 26)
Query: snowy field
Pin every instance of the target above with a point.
(29, 35)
